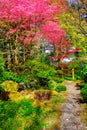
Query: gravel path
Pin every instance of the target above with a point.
(70, 118)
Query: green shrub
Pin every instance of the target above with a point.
(7, 113)
(84, 73)
(35, 75)
(12, 76)
(45, 59)
(37, 120)
(1, 88)
(60, 88)
(82, 85)
(39, 72)
(6, 76)
(19, 79)
(39, 69)
(60, 80)
(84, 93)
(68, 78)
(25, 110)
(35, 113)
(51, 84)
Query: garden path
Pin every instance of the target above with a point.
(70, 118)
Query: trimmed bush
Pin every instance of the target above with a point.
(60, 80)
(60, 88)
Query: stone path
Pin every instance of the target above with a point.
(70, 118)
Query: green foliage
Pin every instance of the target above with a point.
(70, 22)
(1, 65)
(34, 74)
(60, 88)
(7, 113)
(84, 93)
(75, 64)
(7, 75)
(60, 80)
(84, 73)
(37, 120)
(26, 108)
(79, 64)
(39, 69)
(1, 88)
(82, 85)
(68, 78)
(45, 59)
(11, 112)
(51, 84)
(39, 73)
(77, 75)
(12, 76)
(19, 79)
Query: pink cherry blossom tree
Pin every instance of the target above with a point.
(27, 20)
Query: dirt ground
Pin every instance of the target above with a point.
(70, 118)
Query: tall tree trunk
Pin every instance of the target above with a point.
(16, 61)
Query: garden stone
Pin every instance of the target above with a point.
(22, 86)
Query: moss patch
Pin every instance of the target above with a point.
(84, 113)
